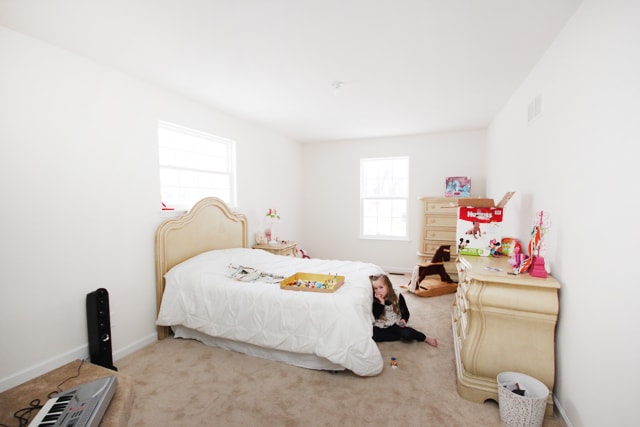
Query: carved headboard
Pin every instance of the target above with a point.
(209, 225)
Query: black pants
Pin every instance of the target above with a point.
(396, 333)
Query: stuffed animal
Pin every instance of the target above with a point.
(300, 253)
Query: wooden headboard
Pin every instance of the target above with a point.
(209, 225)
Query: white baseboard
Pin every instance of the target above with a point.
(135, 346)
(81, 352)
(396, 270)
(561, 413)
(25, 375)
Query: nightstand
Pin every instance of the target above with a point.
(287, 249)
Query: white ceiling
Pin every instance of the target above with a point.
(408, 66)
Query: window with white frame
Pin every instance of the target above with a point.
(384, 192)
(194, 165)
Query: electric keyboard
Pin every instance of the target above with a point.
(81, 406)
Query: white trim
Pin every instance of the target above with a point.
(81, 352)
(230, 160)
(379, 197)
(561, 413)
(135, 346)
(18, 378)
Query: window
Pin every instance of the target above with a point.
(384, 190)
(194, 165)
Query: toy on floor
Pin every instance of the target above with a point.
(423, 286)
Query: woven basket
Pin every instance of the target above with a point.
(517, 410)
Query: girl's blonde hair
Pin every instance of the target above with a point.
(392, 297)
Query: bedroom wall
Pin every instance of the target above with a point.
(80, 198)
(576, 162)
(331, 204)
(79, 193)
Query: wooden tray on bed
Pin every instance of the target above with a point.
(309, 282)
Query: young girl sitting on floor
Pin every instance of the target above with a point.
(392, 314)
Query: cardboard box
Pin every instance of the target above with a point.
(479, 225)
(309, 282)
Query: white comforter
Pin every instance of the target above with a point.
(336, 326)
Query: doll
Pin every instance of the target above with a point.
(519, 261)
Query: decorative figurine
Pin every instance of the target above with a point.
(540, 228)
(495, 248)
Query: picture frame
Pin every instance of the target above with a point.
(457, 186)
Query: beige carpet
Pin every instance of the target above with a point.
(62, 379)
(182, 382)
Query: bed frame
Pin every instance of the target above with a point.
(209, 225)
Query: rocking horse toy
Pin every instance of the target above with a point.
(424, 287)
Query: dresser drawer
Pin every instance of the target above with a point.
(440, 221)
(441, 207)
(442, 234)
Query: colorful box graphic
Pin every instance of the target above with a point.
(478, 229)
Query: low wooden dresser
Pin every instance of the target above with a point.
(502, 322)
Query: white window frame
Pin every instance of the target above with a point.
(388, 197)
(199, 171)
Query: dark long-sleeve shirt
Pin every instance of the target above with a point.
(378, 308)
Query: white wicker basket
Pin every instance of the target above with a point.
(521, 411)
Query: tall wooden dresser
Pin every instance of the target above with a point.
(502, 322)
(439, 219)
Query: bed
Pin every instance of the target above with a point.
(198, 298)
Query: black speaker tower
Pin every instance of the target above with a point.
(99, 327)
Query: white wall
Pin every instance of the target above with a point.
(330, 203)
(80, 198)
(578, 162)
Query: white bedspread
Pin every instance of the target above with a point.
(336, 326)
